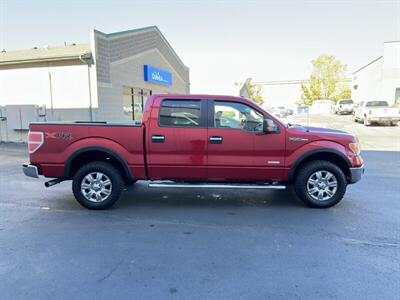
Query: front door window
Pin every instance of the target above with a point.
(234, 115)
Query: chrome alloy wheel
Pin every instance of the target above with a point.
(96, 187)
(322, 185)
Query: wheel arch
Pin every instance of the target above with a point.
(95, 153)
(331, 155)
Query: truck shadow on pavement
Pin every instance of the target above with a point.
(140, 195)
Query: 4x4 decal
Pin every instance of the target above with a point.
(59, 135)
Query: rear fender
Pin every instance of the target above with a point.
(97, 144)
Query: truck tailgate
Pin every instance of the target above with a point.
(383, 112)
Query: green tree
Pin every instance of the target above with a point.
(251, 90)
(327, 81)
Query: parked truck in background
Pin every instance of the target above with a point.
(200, 141)
(378, 112)
(343, 107)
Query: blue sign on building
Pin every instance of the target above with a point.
(156, 75)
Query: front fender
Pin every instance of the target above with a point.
(296, 157)
(314, 147)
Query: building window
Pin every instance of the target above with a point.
(134, 100)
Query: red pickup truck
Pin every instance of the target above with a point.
(195, 141)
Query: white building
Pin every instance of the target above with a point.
(379, 79)
(108, 79)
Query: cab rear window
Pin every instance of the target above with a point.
(376, 103)
(346, 102)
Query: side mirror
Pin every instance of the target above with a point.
(270, 126)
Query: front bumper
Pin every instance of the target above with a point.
(356, 174)
(30, 170)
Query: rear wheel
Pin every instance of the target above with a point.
(320, 184)
(366, 122)
(97, 185)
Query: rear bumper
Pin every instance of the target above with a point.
(356, 174)
(344, 110)
(30, 170)
(383, 119)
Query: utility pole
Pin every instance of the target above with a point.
(51, 95)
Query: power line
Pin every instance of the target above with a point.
(290, 81)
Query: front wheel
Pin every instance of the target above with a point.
(97, 185)
(320, 184)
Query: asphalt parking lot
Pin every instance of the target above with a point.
(181, 244)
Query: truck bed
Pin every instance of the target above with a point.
(63, 139)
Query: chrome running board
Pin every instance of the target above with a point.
(173, 184)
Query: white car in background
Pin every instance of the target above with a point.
(370, 112)
(344, 107)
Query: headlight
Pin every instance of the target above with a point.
(355, 147)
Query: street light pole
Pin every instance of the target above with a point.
(87, 58)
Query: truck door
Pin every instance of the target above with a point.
(177, 139)
(238, 149)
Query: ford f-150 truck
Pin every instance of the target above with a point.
(199, 141)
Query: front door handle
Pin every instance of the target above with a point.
(158, 138)
(215, 139)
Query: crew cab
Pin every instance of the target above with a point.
(379, 112)
(195, 141)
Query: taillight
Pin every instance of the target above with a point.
(35, 141)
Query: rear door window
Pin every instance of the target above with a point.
(180, 113)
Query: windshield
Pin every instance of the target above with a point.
(376, 103)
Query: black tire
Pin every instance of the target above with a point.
(304, 174)
(114, 191)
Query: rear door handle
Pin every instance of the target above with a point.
(215, 139)
(158, 138)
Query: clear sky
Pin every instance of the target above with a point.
(220, 41)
